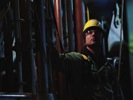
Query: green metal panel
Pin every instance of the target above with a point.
(129, 5)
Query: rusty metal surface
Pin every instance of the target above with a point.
(78, 24)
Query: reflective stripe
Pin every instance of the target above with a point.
(85, 57)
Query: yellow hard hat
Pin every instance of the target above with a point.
(92, 24)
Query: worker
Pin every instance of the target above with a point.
(90, 74)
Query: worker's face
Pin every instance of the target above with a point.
(93, 37)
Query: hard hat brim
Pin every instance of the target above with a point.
(93, 28)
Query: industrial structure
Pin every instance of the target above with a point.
(27, 29)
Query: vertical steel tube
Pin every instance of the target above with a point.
(103, 39)
(32, 61)
(27, 46)
(64, 24)
(7, 35)
(70, 24)
(18, 43)
(43, 86)
(59, 41)
(57, 7)
(78, 24)
(43, 45)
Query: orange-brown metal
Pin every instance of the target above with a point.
(58, 75)
(79, 24)
(57, 10)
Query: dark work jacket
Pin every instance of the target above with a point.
(89, 80)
